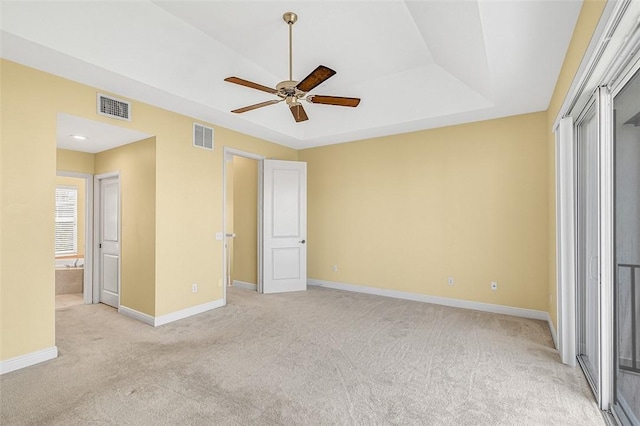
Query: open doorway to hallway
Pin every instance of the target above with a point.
(242, 221)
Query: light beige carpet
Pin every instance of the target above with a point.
(316, 357)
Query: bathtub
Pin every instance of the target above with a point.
(69, 275)
(69, 262)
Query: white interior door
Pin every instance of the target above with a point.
(109, 241)
(284, 226)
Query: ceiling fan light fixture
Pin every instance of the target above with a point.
(292, 101)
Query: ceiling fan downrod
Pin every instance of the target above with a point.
(290, 18)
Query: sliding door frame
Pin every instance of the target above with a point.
(611, 57)
(607, 239)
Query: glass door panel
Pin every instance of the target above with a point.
(587, 233)
(627, 252)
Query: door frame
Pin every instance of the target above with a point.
(567, 238)
(602, 102)
(87, 288)
(228, 153)
(96, 234)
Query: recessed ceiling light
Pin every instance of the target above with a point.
(79, 137)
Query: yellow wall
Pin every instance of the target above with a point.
(136, 165)
(586, 25)
(74, 161)
(27, 203)
(245, 208)
(80, 185)
(405, 212)
(188, 252)
(188, 202)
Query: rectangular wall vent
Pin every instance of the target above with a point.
(114, 108)
(202, 136)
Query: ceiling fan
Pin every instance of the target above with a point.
(292, 92)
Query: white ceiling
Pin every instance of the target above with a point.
(99, 136)
(415, 64)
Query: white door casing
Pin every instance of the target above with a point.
(284, 226)
(565, 241)
(109, 240)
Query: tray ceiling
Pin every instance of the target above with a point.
(415, 64)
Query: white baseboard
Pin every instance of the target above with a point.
(185, 313)
(455, 303)
(173, 316)
(245, 285)
(28, 360)
(552, 329)
(137, 315)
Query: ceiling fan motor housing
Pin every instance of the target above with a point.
(287, 87)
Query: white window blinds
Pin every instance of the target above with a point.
(66, 220)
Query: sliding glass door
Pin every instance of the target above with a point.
(627, 253)
(587, 233)
(598, 216)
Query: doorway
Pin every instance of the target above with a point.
(242, 229)
(74, 238)
(242, 223)
(278, 209)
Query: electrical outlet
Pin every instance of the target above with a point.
(219, 236)
(335, 268)
(450, 281)
(494, 285)
(194, 288)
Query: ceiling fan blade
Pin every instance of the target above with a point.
(250, 84)
(260, 105)
(298, 113)
(334, 100)
(316, 77)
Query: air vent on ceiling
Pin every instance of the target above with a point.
(202, 136)
(114, 108)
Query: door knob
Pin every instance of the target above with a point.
(303, 241)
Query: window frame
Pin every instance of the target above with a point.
(66, 219)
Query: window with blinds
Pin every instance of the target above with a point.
(66, 220)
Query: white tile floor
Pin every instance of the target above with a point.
(66, 300)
